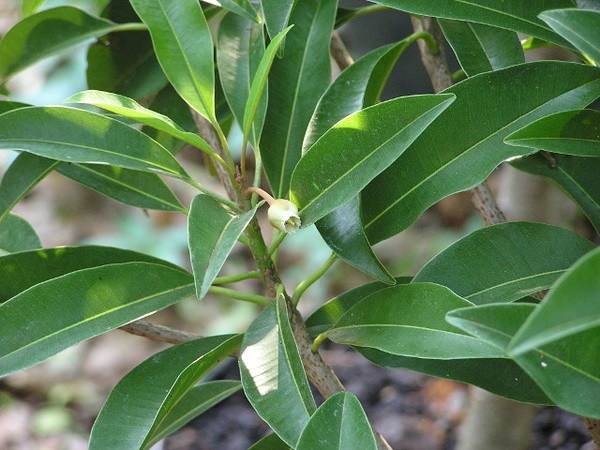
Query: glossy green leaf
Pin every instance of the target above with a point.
(28, 7)
(481, 48)
(358, 86)
(577, 176)
(505, 262)
(74, 135)
(500, 376)
(270, 442)
(273, 375)
(20, 271)
(131, 109)
(339, 423)
(369, 142)
(140, 189)
(277, 15)
(17, 235)
(571, 307)
(136, 407)
(22, 175)
(240, 47)
(568, 371)
(259, 83)
(47, 33)
(6, 105)
(194, 402)
(329, 313)
(241, 7)
(58, 313)
(409, 320)
(510, 14)
(574, 133)
(296, 83)
(184, 47)
(578, 26)
(212, 233)
(450, 156)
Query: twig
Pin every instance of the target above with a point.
(593, 426)
(484, 201)
(339, 52)
(158, 333)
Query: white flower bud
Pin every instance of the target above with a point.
(283, 215)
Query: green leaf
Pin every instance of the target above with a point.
(140, 189)
(277, 15)
(571, 307)
(22, 175)
(370, 140)
(481, 48)
(131, 109)
(58, 313)
(577, 176)
(28, 7)
(16, 235)
(578, 26)
(74, 135)
(20, 271)
(212, 233)
(136, 407)
(273, 375)
(339, 423)
(449, 156)
(6, 105)
(499, 376)
(47, 33)
(259, 82)
(511, 15)
(243, 8)
(240, 47)
(270, 442)
(325, 316)
(568, 371)
(296, 83)
(574, 133)
(194, 402)
(184, 47)
(505, 262)
(409, 320)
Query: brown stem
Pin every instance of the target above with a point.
(484, 201)
(158, 333)
(593, 426)
(339, 52)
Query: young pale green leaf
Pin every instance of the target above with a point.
(28, 7)
(75, 135)
(511, 15)
(339, 423)
(58, 313)
(277, 15)
(47, 33)
(574, 133)
(505, 262)
(481, 48)
(194, 402)
(131, 109)
(270, 442)
(450, 156)
(568, 370)
(273, 375)
(137, 407)
(296, 83)
(140, 189)
(240, 48)
(184, 47)
(22, 175)
(358, 148)
(212, 233)
(409, 320)
(243, 8)
(571, 307)
(357, 87)
(20, 271)
(500, 376)
(578, 26)
(324, 317)
(577, 176)
(259, 82)
(17, 235)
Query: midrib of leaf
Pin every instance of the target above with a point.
(294, 101)
(464, 153)
(565, 364)
(91, 318)
(503, 13)
(565, 27)
(514, 281)
(127, 73)
(566, 174)
(483, 49)
(565, 329)
(341, 429)
(415, 327)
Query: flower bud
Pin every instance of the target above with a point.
(283, 215)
